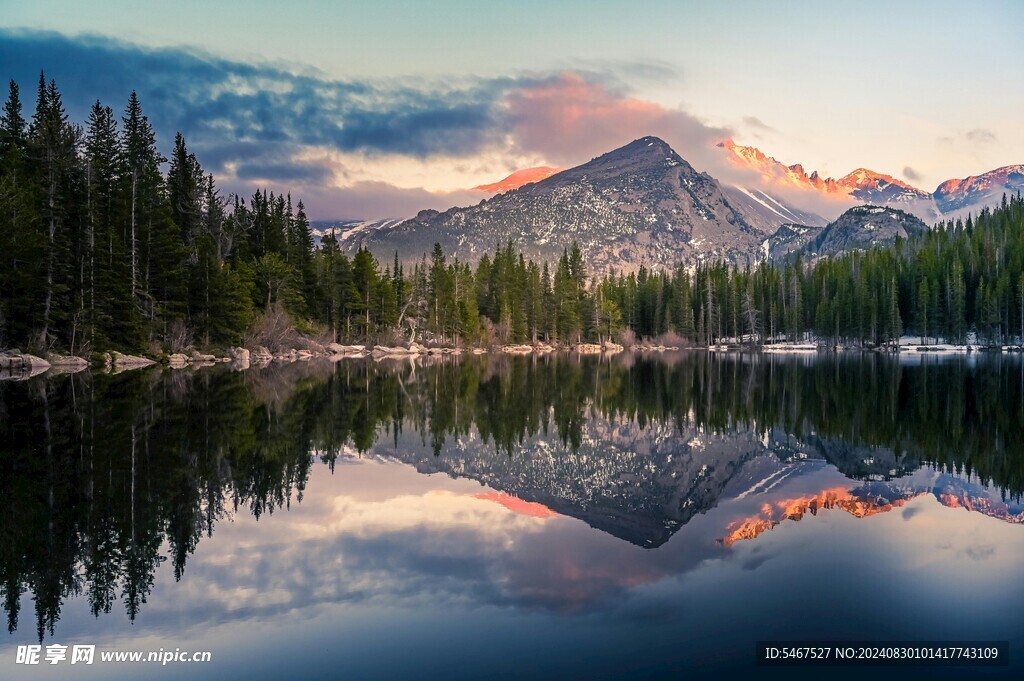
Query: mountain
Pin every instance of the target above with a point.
(518, 179)
(348, 229)
(871, 187)
(789, 239)
(639, 204)
(988, 188)
(868, 186)
(768, 212)
(642, 484)
(863, 227)
(859, 228)
(773, 172)
(862, 184)
(644, 204)
(873, 498)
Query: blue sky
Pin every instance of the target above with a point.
(370, 106)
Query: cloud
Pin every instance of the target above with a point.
(981, 552)
(372, 200)
(980, 136)
(757, 124)
(625, 72)
(911, 511)
(233, 113)
(572, 119)
(911, 174)
(370, 148)
(974, 137)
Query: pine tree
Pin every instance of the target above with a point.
(302, 256)
(360, 296)
(185, 187)
(923, 300)
(103, 291)
(13, 126)
(958, 304)
(143, 201)
(20, 242)
(53, 143)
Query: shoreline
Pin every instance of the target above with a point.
(16, 365)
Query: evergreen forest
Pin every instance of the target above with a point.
(107, 244)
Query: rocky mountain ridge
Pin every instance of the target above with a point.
(641, 204)
(868, 186)
(860, 228)
(642, 484)
(644, 205)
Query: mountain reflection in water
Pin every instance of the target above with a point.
(106, 477)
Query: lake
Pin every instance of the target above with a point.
(557, 517)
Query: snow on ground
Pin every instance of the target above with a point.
(936, 345)
(787, 218)
(791, 347)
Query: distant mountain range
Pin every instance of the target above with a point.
(639, 204)
(643, 204)
(349, 229)
(868, 186)
(954, 195)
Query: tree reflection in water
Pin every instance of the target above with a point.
(99, 472)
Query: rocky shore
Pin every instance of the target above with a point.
(17, 365)
(21, 366)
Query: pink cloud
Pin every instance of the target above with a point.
(570, 119)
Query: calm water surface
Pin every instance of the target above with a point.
(557, 517)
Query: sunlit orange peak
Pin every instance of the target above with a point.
(795, 508)
(517, 505)
(518, 179)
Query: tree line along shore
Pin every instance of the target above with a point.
(109, 247)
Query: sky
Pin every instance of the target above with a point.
(380, 109)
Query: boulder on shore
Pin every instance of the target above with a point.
(16, 365)
(396, 351)
(121, 362)
(66, 360)
(177, 360)
(517, 349)
(238, 354)
(588, 348)
(239, 358)
(22, 360)
(339, 349)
